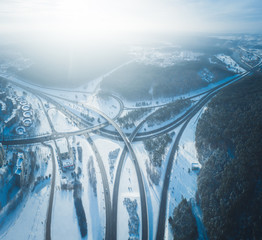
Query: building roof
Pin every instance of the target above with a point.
(67, 163)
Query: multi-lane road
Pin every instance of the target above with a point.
(51, 197)
(118, 133)
(105, 186)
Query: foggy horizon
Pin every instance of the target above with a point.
(80, 39)
(115, 19)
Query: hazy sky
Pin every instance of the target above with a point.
(114, 16)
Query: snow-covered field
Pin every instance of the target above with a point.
(60, 122)
(153, 191)
(62, 145)
(27, 221)
(64, 219)
(109, 105)
(183, 181)
(231, 65)
(30, 221)
(128, 189)
(104, 147)
(162, 58)
(93, 205)
(153, 196)
(80, 110)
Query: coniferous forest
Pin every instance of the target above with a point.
(229, 145)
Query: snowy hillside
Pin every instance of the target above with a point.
(230, 63)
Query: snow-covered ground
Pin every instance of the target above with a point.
(206, 75)
(231, 65)
(85, 113)
(99, 201)
(249, 57)
(108, 105)
(134, 122)
(19, 62)
(27, 221)
(104, 147)
(11, 60)
(162, 58)
(38, 128)
(30, 222)
(60, 122)
(153, 197)
(44, 127)
(93, 205)
(64, 219)
(183, 181)
(153, 192)
(128, 189)
(64, 224)
(62, 145)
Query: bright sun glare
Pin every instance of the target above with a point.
(71, 20)
(86, 19)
